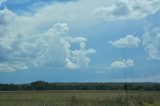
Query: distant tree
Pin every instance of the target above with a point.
(39, 85)
(42, 85)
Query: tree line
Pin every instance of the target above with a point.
(42, 85)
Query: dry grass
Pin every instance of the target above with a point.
(79, 98)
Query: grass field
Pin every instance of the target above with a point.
(80, 98)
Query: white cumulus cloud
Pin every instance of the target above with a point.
(151, 42)
(12, 66)
(121, 64)
(71, 65)
(128, 9)
(129, 41)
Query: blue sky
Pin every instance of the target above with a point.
(79, 41)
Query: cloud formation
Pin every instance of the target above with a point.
(128, 9)
(79, 57)
(121, 64)
(22, 47)
(151, 42)
(129, 41)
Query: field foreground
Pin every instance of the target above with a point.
(80, 98)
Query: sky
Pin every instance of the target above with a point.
(79, 41)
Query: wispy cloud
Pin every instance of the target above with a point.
(128, 9)
(151, 42)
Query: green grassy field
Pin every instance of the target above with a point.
(80, 98)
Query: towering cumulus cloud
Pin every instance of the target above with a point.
(22, 47)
